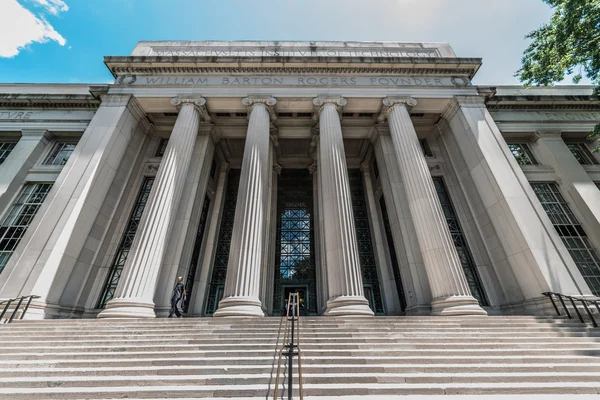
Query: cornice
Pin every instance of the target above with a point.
(537, 107)
(119, 65)
(45, 105)
(292, 70)
(52, 101)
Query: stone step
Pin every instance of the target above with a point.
(464, 334)
(57, 372)
(271, 322)
(262, 391)
(248, 354)
(229, 358)
(315, 340)
(241, 331)
(308, 379)
(307, 346)
(315, 320)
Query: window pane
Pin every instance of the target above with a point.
(126, 241)
(571, 232)
(19, 218)
(5, 149)
(522, 153)
(60, 154)
(365, 245)
(460, 242)
(219, 268)
(582, 154)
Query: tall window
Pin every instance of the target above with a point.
(60, 153)
(522, 153)
(191, 276)
(19, 218)
(460, 242)
(368, 266)
(425, 147)
(582, 153)
(295, 245)
(125, 245)
(392, 251)
(162, 147)
(219, 271)
(571, 232)
(5, 149)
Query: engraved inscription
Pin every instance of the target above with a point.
(307, 52)
(16, 115)
(382, 81)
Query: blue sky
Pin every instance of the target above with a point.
(66, 40)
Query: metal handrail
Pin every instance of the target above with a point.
(573, 300)
(16, 309)
(292, 347)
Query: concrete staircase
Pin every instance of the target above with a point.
(234, 358)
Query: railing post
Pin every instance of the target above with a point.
(588, 312)
(576, 309)
(16, 309)
(27, 305)
(549, 295)
(8, 302)
(560, 297)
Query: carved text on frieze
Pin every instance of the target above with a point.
(382, 81)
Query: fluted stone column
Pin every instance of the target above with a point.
(135, 292)
(344, 280)
(449, 288)
(242, 284)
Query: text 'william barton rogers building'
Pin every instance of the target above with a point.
(373, 178)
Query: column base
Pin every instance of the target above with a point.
(128, 308)
(348, 306)
(235, 306)
(457, 305)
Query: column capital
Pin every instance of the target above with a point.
(268, 101)
(392, 101)
(199, 103)
(319, 102)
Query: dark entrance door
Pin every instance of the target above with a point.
(302, 291)
(295, 256)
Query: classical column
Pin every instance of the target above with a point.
(344, 280)
(242, 284)
(449, 288)
(135, 292)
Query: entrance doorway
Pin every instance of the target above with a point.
(302, 291)
(295, 245)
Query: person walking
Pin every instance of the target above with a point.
(178, 295)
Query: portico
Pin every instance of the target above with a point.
(372, 184)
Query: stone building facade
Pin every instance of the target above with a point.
(372, 177)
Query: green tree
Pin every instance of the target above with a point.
(569, 43)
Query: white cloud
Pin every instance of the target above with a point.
(53, 6)
(20, 27)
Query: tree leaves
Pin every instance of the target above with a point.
(569, 42)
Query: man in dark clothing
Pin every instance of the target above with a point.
(178, 294)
